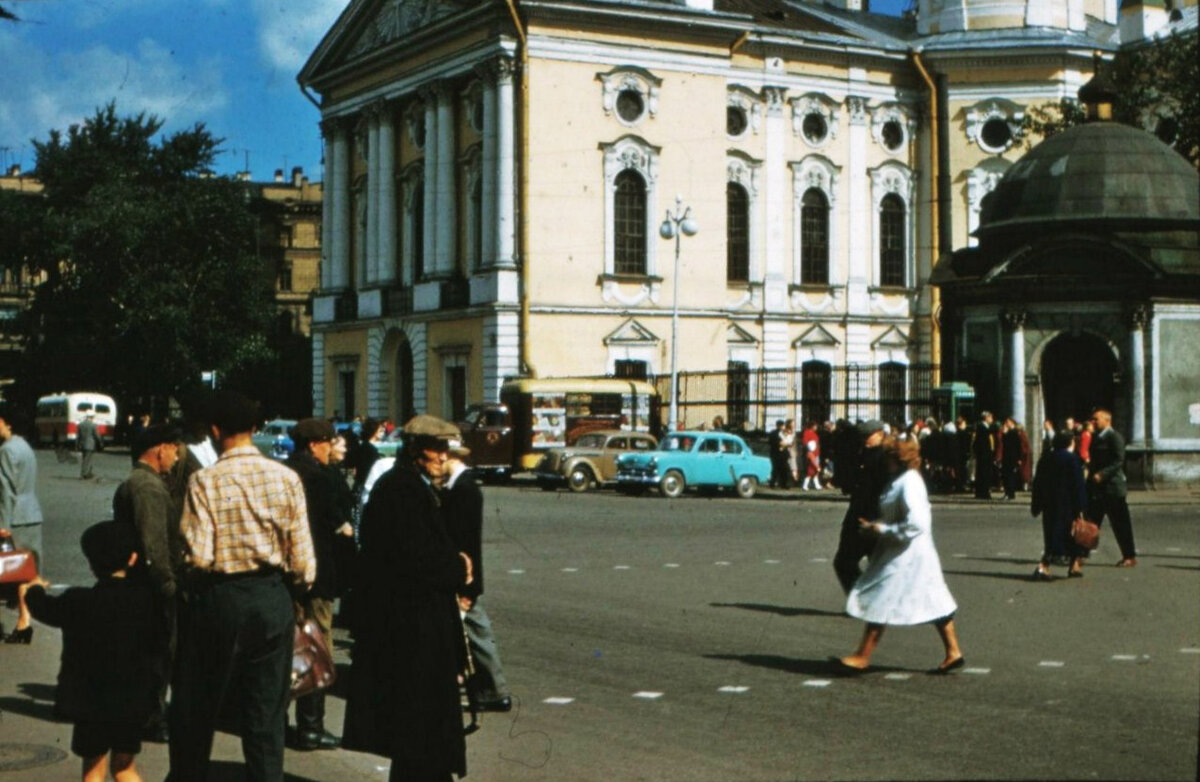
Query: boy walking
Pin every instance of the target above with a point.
(106, 684)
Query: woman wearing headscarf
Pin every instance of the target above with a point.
(1059, 496)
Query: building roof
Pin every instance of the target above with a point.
(1098, 172)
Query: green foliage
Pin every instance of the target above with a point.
(149, 263)
(1158, 89)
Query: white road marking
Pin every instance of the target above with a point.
(1189, 650)
(1052, 664)
(671, 564)
(722, 563)
(1124, 657)
(516, 572)
(570, 570)
(819, 559)
(736, 688)
(959, 556)
(898, 677)
(620, 567)
(1004, 553)
(558, 701)
(770, 561)
(1174, 549)
(818, 682)
(648, 696)
(977, 671)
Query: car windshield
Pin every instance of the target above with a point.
(678, 443)
(590, 441)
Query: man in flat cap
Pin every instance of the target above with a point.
(313, 439)
(409, 649)
(868, 482)
(462, 503)
(143, 502)
(88, 441)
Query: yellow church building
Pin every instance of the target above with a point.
(497, 171)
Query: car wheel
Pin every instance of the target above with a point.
(672, 484)
(580, 478)
(747, 485)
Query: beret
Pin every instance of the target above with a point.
(312, 430)
(155, 435)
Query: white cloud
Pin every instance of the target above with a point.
(289, 30)
(55, 90)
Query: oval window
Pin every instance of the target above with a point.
(630, 105)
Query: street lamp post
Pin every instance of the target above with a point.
(675, 226)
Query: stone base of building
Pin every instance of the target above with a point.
(1150, 469)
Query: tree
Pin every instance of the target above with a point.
(1157, 88)
(150, 275)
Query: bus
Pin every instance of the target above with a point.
(59, 415)
(534, 415)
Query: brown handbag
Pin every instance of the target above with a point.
(1085, 533)
(312, 661)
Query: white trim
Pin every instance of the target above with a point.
(820, 104)
(893, 177)
(981, 180)
(819, 172)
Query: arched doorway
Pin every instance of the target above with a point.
(1078, 374)
(402, 382)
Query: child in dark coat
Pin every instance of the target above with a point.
(106, 684)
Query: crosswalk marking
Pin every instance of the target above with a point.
(1052, 664)
(558, 701)
(818, 682)
(648, 695)
(733, 688)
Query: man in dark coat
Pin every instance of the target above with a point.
(780, 471)
(983, 447)
(462, 503)
(88, 440)
(1106, 485)
(870, 479)
(1059, 496)
(409, 649)
(313, 439)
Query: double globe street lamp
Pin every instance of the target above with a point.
(675, 226)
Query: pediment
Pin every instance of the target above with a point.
(736, 335)
(815, 337)
(631, 333)
(892, 338)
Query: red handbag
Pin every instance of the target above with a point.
(1085, 533)
(312, 663)
(17, 565)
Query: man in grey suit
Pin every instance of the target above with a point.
(1106, 485)
(20, 512)
(88, 440)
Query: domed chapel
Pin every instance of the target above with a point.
(496, 173)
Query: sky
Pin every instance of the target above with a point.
(229, 64)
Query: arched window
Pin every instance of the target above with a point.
(737, 222)
(893, 395)
(892, 249)
(814, 238)
(815, 391)
(629, 223)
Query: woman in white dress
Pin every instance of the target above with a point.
(903, 582)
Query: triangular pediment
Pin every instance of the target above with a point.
(631, 333)
(815, 337)
(736, 335)
(892, 338)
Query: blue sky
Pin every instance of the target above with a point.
(230, 64)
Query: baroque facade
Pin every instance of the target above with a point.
(496, 173)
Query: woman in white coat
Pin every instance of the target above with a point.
(903, 582)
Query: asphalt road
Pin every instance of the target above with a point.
(687, 640)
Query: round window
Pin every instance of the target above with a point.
(630, 105)
(893, 135)
(735, 121)
(995, 134)
(814, 128)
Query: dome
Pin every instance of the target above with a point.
(1098, 172)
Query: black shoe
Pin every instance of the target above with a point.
(20, 636)
(308, 740)
(950, 667)
(503, 704)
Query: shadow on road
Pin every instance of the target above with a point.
(1192, 568)
(228, 771)
(780, 610)
(1008, 560)
(27, 707)
(1002, 576)
(800, 666)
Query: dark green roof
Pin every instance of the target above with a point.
(1098, 173)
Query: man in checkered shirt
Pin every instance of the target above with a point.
(250, 552)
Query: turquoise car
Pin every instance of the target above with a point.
(702, 459)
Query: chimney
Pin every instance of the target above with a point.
(242, 176)
(297, 175)
(279, 175)
(1141, 19)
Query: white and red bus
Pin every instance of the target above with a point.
(59, 415)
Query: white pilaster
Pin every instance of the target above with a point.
(506, 182)
(328, 129)
(1137, 373)
(386, 243)
(377, 374)
(340, 192)
(860, 214)
(489, 171)
(501, 351)
(446, 208)
(1015, 320)
(431, 181)
(775, 279)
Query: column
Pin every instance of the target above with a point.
(430, 96)
(506, 183)
(488, 167)
(775, 277)
(328, 129)
(386, 242)
(859, 212)
(1139, 317)
(1014, 320)
(446, 207)
(340, 252)
(369, 274)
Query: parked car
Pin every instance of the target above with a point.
(591, 461)
(274, 438)
(390, 444)
(702, 459)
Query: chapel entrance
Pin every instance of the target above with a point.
(402, 382)
(1078, 375)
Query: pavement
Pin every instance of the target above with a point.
(578, 722)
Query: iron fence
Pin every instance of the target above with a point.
(749, 398)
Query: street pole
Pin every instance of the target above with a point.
(675, 226)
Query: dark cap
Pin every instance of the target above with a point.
(868, 428)
(155, 435)
(107, 546)
(312, 430)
